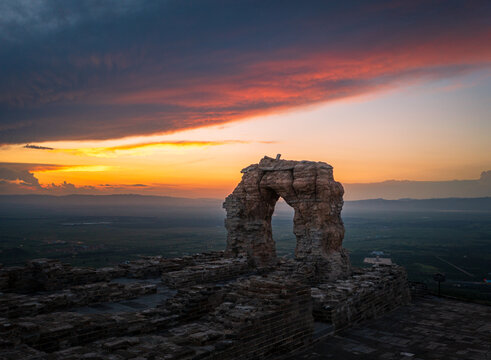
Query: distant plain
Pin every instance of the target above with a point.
(451, 236)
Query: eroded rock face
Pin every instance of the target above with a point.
(310, 189)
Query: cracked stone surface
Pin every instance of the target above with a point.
(317, 199)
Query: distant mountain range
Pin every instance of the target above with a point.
(396, 189)
(447, 204)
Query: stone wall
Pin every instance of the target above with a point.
(193, 302)
(16, 305)
(60, 330)
(251, 318)
(369, 293)
(213, 271)
(50, 274)
(266, 316)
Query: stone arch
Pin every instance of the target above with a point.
(317, 199)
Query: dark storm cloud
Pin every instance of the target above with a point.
(19, 178)
(99, 70)
(18, 175)
(37, 147)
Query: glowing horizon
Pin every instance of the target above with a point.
(166, 164)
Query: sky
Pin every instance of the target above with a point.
(176, 97)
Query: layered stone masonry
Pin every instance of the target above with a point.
(265, 317)
(60, 330)
(16, 305)
(214, 271)
(195, 301)
(255, 318)
(252, 317)
(50, 274)
(369, 293)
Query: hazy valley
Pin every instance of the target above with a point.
(425, 236)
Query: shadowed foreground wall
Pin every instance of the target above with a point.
(246, 316)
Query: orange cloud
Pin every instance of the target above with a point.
(74, 168)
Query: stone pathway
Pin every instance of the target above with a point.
(429, 328)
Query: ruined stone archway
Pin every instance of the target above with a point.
(317, 199)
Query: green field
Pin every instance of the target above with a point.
(456, 243)
(96, 241)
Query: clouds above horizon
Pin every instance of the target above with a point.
(94, 70)
(20, 178)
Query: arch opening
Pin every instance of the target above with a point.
(282, 228)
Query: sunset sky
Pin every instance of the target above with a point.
(176, 97)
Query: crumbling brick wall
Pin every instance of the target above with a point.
(369, 293)
(210, 272)
(266, 316)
